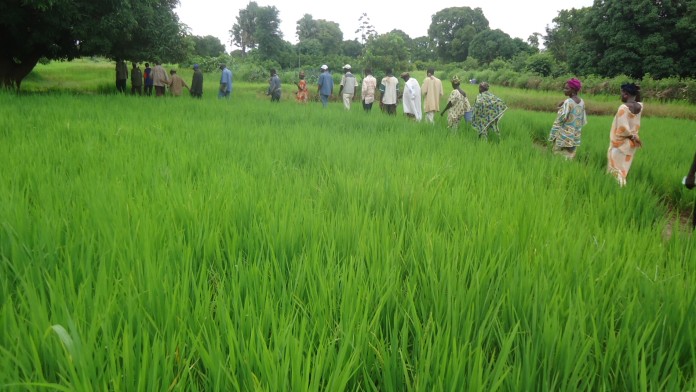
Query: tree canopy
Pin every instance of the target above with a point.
(453, 29)
(610, 38)
(208, 46)
(133, 30)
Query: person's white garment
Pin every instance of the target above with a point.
(390, 83)
(347, 99)
(412, 99)
(430, 117)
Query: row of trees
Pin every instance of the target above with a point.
(613, 37)
(609, 38)
(454, 34)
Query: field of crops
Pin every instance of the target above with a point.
(180, 244)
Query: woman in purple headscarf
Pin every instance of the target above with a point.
(567, 129)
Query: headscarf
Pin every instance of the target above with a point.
(631, 89)
(574, 84)
(455, 79)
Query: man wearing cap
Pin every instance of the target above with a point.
(197, 82)
(225, 82)
(348, 83)
(412, 97)
(325, 84)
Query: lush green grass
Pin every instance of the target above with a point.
(156, 244)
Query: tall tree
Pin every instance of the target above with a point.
(208, 46)
(565, 35)
(387, 51)
(422, 49)
(452, 30)
(244, 30)
(643, 38)
(366, 29)
(489, 45)
(327, 33)
(267, 32)
(32, 29)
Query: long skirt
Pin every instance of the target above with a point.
(619, 164)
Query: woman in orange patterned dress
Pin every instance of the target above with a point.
(302, 94)
(624, 140)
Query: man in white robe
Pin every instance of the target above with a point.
(412, 97)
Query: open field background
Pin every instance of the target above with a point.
(188, 244)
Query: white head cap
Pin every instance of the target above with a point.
(347, 66)
(324, 66)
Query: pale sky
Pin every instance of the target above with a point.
(517, 18)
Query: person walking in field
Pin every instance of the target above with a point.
(567, 129)
(369, 86)
(488, 110)
(412, 97)
(121, 75)
(147, 78)
(432, 91)
(348, 84)
(225, 82)
(159, 79)
(136, 80)
(274, 86)
(690, 183)
(325, 85)
(623, 137)
(389, 97)
(302, 94)
(197, 82)
(176, 84)
(458, 104)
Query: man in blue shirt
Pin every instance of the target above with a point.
(225, 82)
(325, 85)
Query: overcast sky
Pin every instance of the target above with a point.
(517, 18)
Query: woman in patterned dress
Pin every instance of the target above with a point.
(458, 104)
(567, 129)
(623, 138)
(488, 110)
(302, 94)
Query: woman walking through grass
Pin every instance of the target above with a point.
(488, 110)
(567, 129)
(458, 104)
(624, 140)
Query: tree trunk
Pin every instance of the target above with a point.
(12, 73)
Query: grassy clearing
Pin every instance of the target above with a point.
(243, 245)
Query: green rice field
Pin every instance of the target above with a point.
(197, 245)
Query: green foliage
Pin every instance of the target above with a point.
(30, 30)
(208, 46)
(452, 30)
(387, 51)
(492, 44)
(609, 38)
(541, 64)
(244, 245)
(327, 34)
(243, 31)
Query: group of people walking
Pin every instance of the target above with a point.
(417, 98)
(624, 139)
(157, 79)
